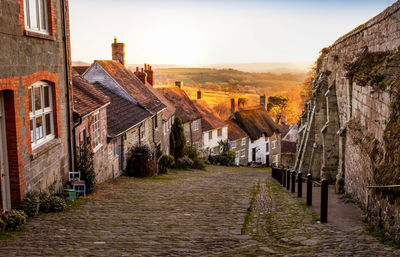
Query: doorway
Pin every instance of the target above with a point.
(267, 160)
(254, 154)
(4, 173)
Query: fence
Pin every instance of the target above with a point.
(287, 179)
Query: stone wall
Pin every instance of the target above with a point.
(29, 57)
(354, 144)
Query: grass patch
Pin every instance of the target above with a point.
(77, 203)
(161, 177)
(249, 213)
(382, 237)
(10, 234)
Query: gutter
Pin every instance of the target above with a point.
(67, 77)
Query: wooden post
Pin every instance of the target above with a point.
(299, 184)
(293, 182)
(283, 178)
(309, 189)
(324, 201)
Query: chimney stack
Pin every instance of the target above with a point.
(150, 74)
(262, 100)
(179, 84)
(141, 75)
(118, 51)
(241, 103)
(199, 94)
(233, 108)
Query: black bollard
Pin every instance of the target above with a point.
(288, 179)
(309, 189)
(299, 184)
(283, 178)
(324, 201)
(293, 182)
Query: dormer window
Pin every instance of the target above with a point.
(36, 16)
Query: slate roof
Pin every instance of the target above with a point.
(132, 85)
(185, 108)
(121, 113)
(255, 121)
(210, 119)
(234, 131)
(80, 69)
(87, 98)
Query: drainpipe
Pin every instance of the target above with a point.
(191, 133)
(140, 136)
(74, 139)
(67, 77)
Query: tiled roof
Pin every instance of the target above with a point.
(210, 119)
(132, 85)
(80, 69)
(87, 98)
(121, 113)
(170, 108)
(234, 131)
(255, 121)
(185, 109)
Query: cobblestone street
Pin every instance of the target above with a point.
(218, 212)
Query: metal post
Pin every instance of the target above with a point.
(309, 189)
(299, 184)
(288, 179)
(293, 182)
(324, 201)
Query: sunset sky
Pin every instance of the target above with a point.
(214, 31)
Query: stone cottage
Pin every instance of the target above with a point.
(349, 132)
(238, 143)
(90, 124)
(187, 112)
(35, 95)
(214, 129)
(264, 133)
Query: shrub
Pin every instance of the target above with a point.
(86, 167)
(30, 205)
(140, 162)
(57, 203)
(177, 139)
(14, 219)
(184, 162)
(198, 163)
(44, 199)
(166, 162)
(225, 158)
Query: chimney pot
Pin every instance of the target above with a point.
(115, 40)
(137, 68)
(178, 84)
(262, 100)
(142, 70)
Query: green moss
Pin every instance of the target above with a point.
(11, 234)
(368, 68)
(249, 213)
(382, 237)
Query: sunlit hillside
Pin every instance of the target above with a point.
(219, 86)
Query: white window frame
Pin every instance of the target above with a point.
(219, 132)
(115, 149)
(243, 141)
(242, 153)
(41, 113)
(96, 125)
(210, 135)
(195, 125)
(233, 144)
(28, 12)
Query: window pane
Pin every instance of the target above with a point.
(48, 124)
(46, 97)
(33, 14)
(38, 105)
(43, 14)
(39, 128)
(32, 134)
(30, 100)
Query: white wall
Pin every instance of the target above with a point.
(260, 145)
(207, 143)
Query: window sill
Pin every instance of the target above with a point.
(97, 148)
(29, 33)
(40, 150)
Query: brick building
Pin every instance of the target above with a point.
(34, 98)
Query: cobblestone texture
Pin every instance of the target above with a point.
(190, 213)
